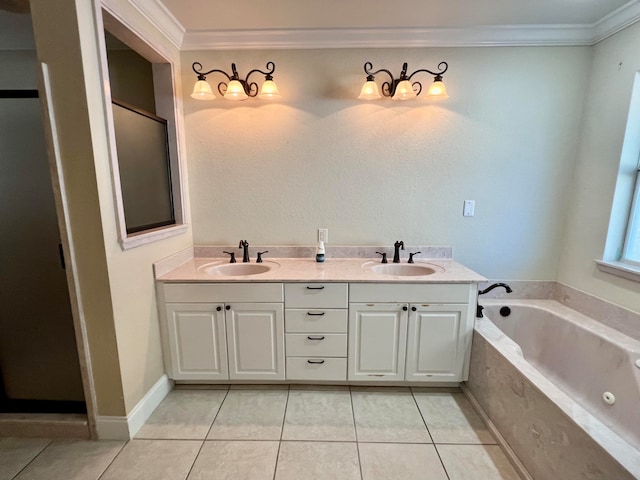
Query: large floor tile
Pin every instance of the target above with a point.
(388, 415)
(400, 461)
(235, 460)
(250, 415)
(451, 419)
(154, 460)
(319, 414)
(318, 461)
(16, 453)
(183, 414)
(72, 460)
(473, 462)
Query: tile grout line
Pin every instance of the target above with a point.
(31, 461)
(284, 417)
(355, 429)
(429, 432)
(204, 440)
(113, 459)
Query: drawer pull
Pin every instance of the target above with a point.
(318, 362)
(315, 314)
(316, 288)
(316, 338)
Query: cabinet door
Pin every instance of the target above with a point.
(255, 338)
(435, 349)
(377, 341)
(197, 341)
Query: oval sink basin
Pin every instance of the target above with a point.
(238, 269)
(405, 269)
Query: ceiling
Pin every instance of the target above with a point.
(261, 24)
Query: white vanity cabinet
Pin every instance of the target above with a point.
(197, 341)
(377, 341)
(316, 331)
(224, 331)
(436, 342)
(426, 339)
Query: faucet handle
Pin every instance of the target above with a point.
(411, 256)
(384, 257)
(259, 259)
(233, 256)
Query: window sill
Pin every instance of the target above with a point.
(620, 269)
(144, 238)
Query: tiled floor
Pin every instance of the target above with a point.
(281, 433)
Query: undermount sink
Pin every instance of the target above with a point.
(238, 269)
(405, 269)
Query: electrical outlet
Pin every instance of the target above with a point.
(469, 208)
(323, 235)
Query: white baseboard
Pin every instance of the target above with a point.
(125, 428)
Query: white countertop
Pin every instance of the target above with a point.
(332, 270)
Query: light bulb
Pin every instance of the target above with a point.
(404, 91)
(235, 91)
(437, 90)
(369, 91)
(202, 91)
(269, 90)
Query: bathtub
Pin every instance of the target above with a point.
(561, 388)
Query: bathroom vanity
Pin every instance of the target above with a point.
(298, 321)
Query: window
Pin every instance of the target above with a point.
(622, 250)
(631, 251)
(143, 119)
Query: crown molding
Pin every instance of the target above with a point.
(306, 38)
(503, 35)
(159, 15)
(626, 15)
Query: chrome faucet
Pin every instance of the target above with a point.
(396, 253)
(245, 253)
(479, 307)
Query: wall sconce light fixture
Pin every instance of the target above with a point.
(236, 88)
(402, 88)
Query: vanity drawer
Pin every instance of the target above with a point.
(314, 321)
(318, 344)
(316, 368)
(316, 295)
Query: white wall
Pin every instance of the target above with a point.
(616, 60)
(373, 173)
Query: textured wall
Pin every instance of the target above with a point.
(616, 61)
(373, 173)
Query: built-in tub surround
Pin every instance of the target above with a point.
(541, 381)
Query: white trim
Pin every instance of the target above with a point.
(626, 15)
(125, 428)
(158, 15)
(303, 38)
(150, 236)
(619, 269)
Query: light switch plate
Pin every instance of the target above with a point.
(323, 235)
(469, 208)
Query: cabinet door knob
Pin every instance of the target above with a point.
(218, 308)
(413, 309)
(228, 307)
(405, 308)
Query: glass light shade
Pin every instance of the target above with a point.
(269, 90)
(202, 91)
(404, 91)
(369, 91)
(235, 91)
(437, 90)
